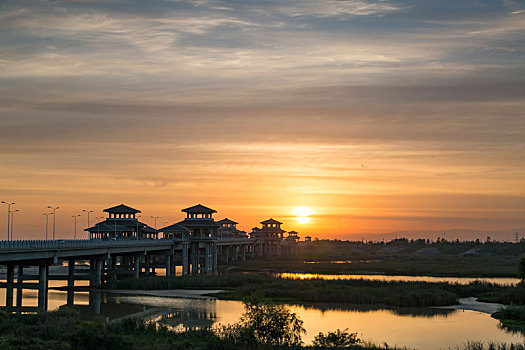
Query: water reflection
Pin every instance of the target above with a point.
(421, 328)
(401, 311)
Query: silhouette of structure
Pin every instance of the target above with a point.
(122, 246)
(121, 223)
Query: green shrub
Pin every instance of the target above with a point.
(264, 323)
(336, 339)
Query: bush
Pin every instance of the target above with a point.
(91, 335)
(515, 313)
(337, 339)
(264, 323)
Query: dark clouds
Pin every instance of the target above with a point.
(292, 95)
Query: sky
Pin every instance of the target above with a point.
(380, 116)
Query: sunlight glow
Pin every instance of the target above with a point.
(303, 214)
(303, 211)
(303, 219)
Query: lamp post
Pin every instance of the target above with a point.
(75, 218)
(138, 216)
(12, 221)
(54, 218)
(47, 216)
(88, 212)
(8, 215)
(155, 217)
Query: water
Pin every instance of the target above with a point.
(420, 328)
(460, 280)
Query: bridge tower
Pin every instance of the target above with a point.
(272, 236)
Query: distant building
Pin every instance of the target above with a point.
(270, 237)
(199, 221)
(121, 223)
(292, 237)
(228, 229)
(308, 239)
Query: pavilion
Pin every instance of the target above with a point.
(228, 229)
(121, 223)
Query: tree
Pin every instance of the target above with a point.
(337, 339)
(265, 323)
(521, 269)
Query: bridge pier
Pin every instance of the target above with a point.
(136, 268)
(226, 253)
(70, 281)
(43, 280)
(146, 264)
(10, 285)
(19, 285)
(98, 272)
(168, 265)
(185, 262)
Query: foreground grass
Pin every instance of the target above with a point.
(361, 292)
(63, 330)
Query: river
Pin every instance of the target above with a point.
(419, 328)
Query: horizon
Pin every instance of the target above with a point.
(378, 116)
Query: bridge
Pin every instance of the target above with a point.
(122, 247)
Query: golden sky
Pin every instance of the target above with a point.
(380, 116)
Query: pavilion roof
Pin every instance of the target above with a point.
(121, 224)
(189, 223)
(271, 221)
(122, 209)
(174, 228)
(199, 209)
(227, 221)
(293, 233)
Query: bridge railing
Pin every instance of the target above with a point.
(79, 243)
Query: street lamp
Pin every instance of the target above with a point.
(75, 218)
(155, 217)
(54, 218)
(87, 211)
(47, 216)
(12, 221)
(8, 215)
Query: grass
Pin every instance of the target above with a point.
(399, 257)
(511, 316)
(360, 292)
(63, 330)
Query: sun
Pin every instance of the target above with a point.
(303, 214)
(303, 219)
(303, 211)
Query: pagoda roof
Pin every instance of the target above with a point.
(122, 209)
(121, 224)
(292, 232)
(227, 221)
(189, 223)
(174, 228)
(271, 221)
(199, 209)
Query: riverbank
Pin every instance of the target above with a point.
(405, 265)
(358, 292)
